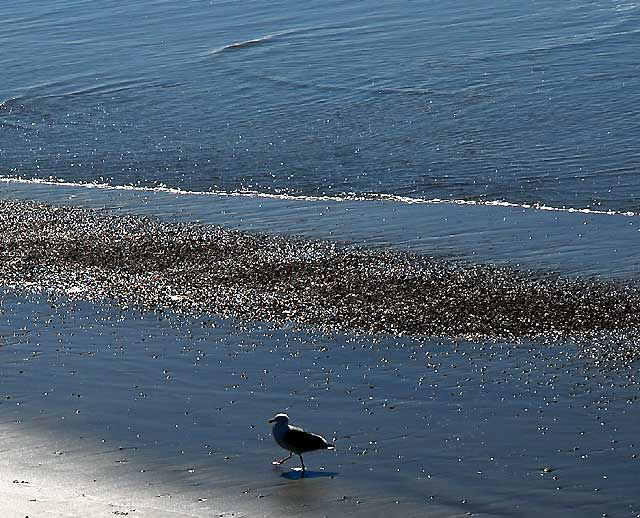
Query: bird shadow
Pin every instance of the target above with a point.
(298, 474)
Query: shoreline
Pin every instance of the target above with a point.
(347, 197)
(572, 244)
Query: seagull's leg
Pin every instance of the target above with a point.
(303, 468)
(278, 462)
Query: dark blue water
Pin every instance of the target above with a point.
(513, 100)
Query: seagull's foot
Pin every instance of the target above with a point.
(281, 461)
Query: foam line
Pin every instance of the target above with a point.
(304, 198)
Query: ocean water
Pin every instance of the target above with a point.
(526, 102)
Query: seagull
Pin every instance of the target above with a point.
(295, 439)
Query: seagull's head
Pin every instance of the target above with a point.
(279, 418)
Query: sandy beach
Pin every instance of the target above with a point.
(414, 227)
(106, 410)
(124, 390)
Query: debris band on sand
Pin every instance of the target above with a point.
(94, 254)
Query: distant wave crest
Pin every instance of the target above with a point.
(243, 44)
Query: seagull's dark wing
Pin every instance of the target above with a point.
(301, 441)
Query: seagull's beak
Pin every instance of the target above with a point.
(271, 421)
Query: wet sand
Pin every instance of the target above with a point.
(167, 413)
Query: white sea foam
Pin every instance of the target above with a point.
(334, 198)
